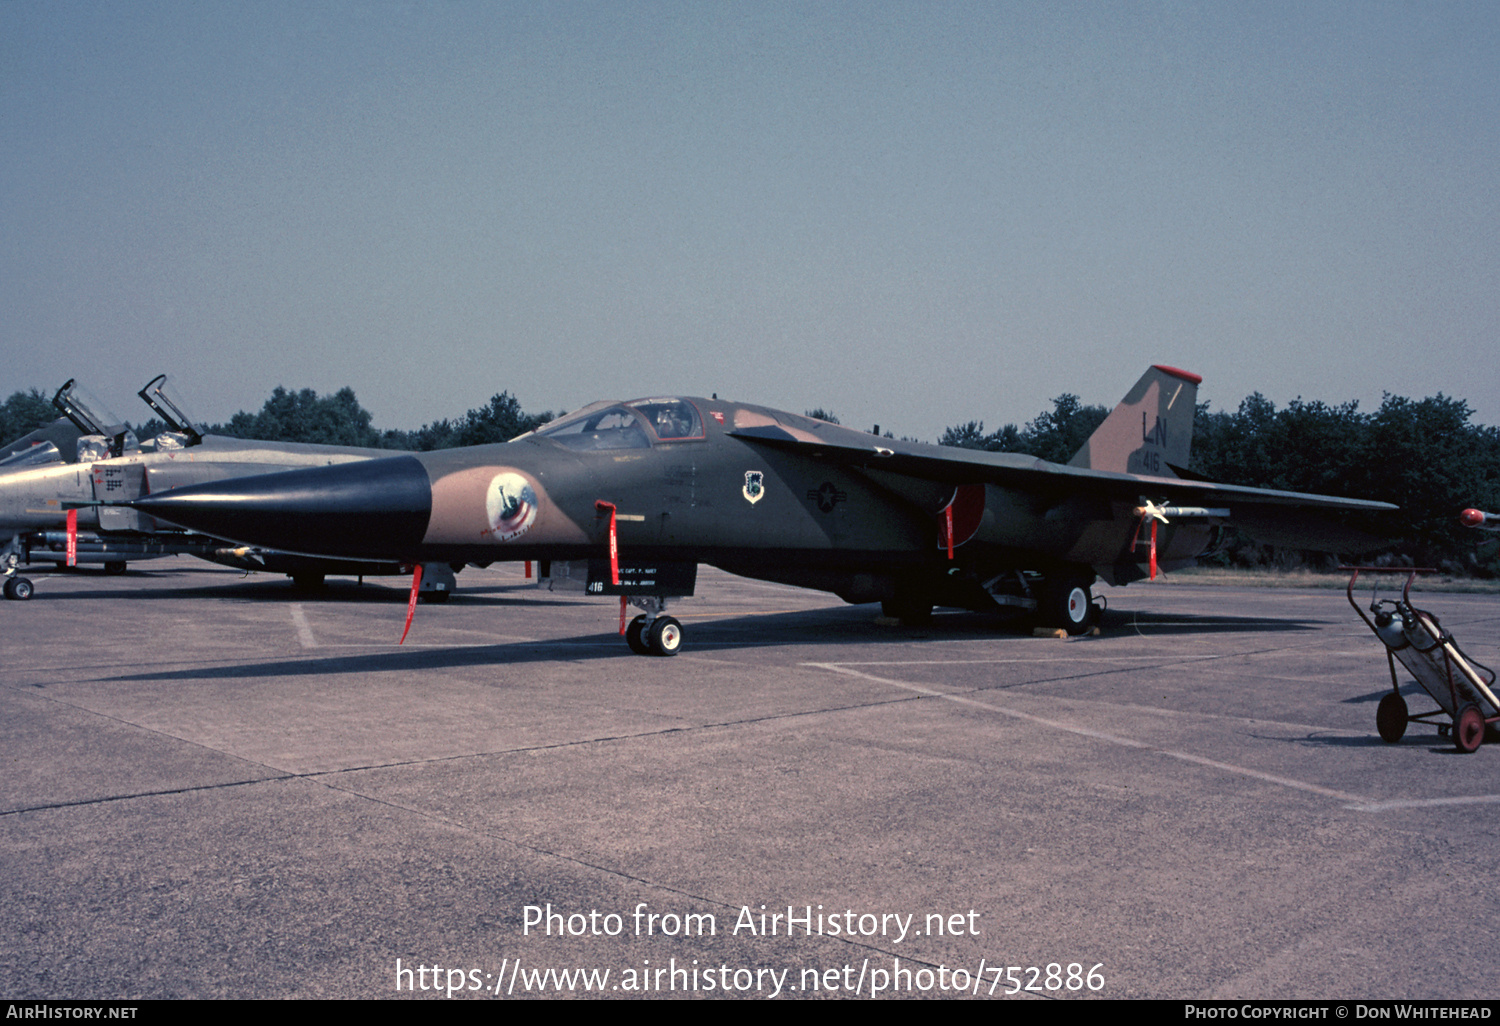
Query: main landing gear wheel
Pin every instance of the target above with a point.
(1468, 729)
(115, 566)
(665, 636)
(1390, 718)
(1068, 604)
(19, 589)
(635, 636)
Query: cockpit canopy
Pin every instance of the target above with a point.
(38, 454)
(633, 425)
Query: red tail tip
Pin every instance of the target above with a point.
(1471, 518)
(1175, 372)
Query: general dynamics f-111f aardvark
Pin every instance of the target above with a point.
(642, 492)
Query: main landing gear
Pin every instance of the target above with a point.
(1066, 602)
(18, 588)
(653, 633)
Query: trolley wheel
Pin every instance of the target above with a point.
(635, 636)
(1390, 718)
(1468, 729)
(115, 566)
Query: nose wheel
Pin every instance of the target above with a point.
(652, 633)
(665, 636)
(635, 636)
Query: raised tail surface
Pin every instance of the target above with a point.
(1151, 430)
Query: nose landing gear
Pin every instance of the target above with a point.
(653, 633)
(17, 588)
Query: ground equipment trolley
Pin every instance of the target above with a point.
(1463, 688)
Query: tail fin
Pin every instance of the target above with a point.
(1151, 430)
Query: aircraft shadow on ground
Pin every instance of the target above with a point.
(384, 591)
(832, 626)
(1117, 622)
(380, 591)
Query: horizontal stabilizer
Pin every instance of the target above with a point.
(1294, 528)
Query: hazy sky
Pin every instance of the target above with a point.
(911, 214)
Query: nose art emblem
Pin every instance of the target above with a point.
(511, 505)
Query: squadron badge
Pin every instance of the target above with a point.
(755, 486)
(511, 505)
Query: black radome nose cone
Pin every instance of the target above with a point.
(371, 508)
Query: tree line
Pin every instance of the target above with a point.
(339, 419)
(1424, 455)
(305, 416)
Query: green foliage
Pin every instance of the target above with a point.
(305, 416)
(339, 419)
(1058, 435)
(499, 420)
(972, 436)
(1306, 447)
(966, 436)
(1427, 458)
(24, 412)
(1422, 455)
(1055, 435)
(822, 414)
(149, 429)
(440, 434)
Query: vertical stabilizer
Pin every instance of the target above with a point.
(1150, 431)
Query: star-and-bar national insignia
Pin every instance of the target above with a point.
(755, 486)
(826, 496)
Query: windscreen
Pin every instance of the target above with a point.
(606, 427)
(634, 425)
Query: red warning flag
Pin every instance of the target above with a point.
(614, 543)
(411, 603)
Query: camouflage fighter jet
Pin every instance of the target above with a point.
(54, 483)
(641, 492)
